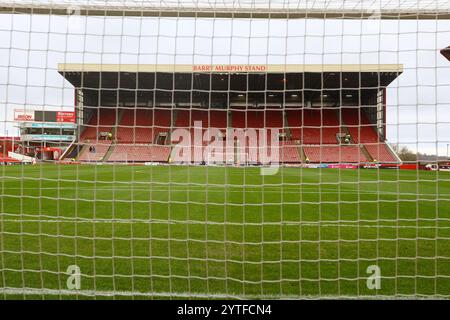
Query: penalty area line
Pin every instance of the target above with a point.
(104, 293)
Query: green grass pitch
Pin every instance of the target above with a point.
(174, 232)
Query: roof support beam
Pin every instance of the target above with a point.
(414, 13)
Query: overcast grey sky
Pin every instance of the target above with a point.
(418, 101)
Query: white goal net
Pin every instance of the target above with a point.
(202, 149)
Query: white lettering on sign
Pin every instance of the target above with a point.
(229, 68)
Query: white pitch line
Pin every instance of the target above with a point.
(243, 189)
(307, 224)
(105, 293)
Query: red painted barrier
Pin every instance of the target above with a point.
(409, 166)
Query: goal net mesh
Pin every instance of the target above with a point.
(256, 149)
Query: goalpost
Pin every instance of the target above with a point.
(326, 131)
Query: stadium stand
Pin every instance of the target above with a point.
(140, 153)
(219, 119)
(200, 115)
(274, 119)
(138, 136)
(188, 119)
(255, 119)
(380, 152)
(238, 119)
(139, 132)
(135, 126)
(318, 127)
(260, 119)
(183, 118)
(102, 120)
(295, 122)
(359, 127)
(163, 118)
(289, 152)
(334, 154)
(101, 148)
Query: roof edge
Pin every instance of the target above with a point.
(229, 68)
(267, 12)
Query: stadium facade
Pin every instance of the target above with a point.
(306, 114)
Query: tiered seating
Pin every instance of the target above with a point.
(360, 128)
(329, 118)
(331, 126)
(295, 123)
(247, 119)
(261, 120)
(238, 119)
(183, 116)
(364, 132)
(334, 154)
(289, 152)
(320, 135)
(318, 126)
(200, 116)
(162, 121)
(316, 130)
(136, 126)
(188, 120)
(141, 127)
(163, 118)
(312, 117)
(102, 120)
(321, 127)
(197, 116)
(274, 119)
(219, 119)
(255, 119)
(380, 152)
(140, 153)
(101, 148)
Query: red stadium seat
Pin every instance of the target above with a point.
(101, 148)
(274, 119)
(312, 130)
(136, 126)
(219, 119)
(380, 152)
(315, 128)
(289, 152)
(334, 154)
(102, 120)
(139, 153)
(359, 127)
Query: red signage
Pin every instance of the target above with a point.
(64, 116)
(23, 115)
